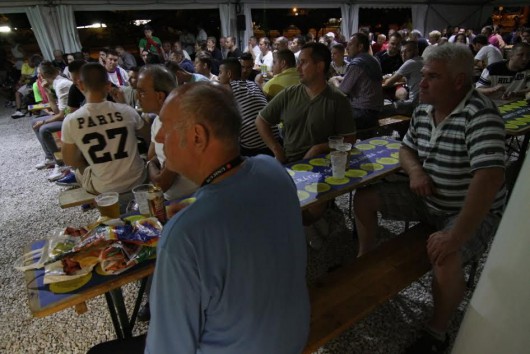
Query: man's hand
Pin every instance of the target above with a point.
(441, 244)
(314, 151)
(508, 95)
(38, 124)
(499, 88)
(335, 80)
(259, 80)
(421, 183)
(117, 95)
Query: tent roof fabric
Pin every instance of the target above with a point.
(209, 3)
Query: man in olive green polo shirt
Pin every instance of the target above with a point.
(311, 112)
(284, 71)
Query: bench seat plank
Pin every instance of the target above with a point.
(348, 294)
(74, 197)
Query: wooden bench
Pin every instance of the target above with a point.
(74, 197)
(349, 293)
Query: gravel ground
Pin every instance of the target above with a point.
(29, 210)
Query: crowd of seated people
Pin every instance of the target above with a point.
(314, 89)
(103, 106)
(380, 78)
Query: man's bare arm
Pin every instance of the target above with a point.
(420, 182)
(323, 148)
(392, 80)
(72, 156)
(161, 176)
(144, 132)
(265, 131)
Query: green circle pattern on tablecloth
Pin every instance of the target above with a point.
(387, 160)
(365, 147)
(336, 181)
(395, 146)
(302, 167)
(302, 195)
(319, 162)
(317, 187)
(372, 166)
(379, 142)
(356, 173)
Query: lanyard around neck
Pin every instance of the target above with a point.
(223, 169)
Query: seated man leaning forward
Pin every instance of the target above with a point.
(311, 112)
(99, 139)
(227, 279)
(453, 154)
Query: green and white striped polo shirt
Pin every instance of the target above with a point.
(470, 138)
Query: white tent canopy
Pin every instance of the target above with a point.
(54, 24)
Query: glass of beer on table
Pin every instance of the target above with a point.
(108, 204)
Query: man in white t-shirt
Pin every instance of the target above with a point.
(154, 85)
(117, 75)
(487, 54)
(100, 138)
(47, 124)
(265, 57)
(296, 46)
(253, 47)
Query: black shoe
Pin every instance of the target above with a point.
(144, 314)
(427, 344)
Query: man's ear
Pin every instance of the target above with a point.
(161, 96)
(321, 65)
(201, 137)
(460, 81)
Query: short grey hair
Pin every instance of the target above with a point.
(213, 106)
(458, 59)
(163, 79)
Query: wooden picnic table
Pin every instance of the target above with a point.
(370, 160)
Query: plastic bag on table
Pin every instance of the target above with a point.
(146, 232)
(59, 242)
(54, 272)
(121, 256)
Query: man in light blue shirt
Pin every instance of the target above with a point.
(230, 272)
